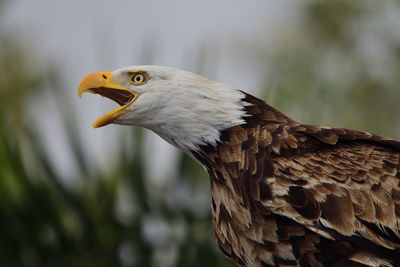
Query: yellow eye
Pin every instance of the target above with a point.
(139, 78)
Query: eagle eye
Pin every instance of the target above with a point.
(139, 78)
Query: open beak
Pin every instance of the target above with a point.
(100, 83)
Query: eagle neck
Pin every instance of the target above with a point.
(257, 114)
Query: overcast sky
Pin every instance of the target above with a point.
(87, 36)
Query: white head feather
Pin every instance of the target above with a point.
(185, 109)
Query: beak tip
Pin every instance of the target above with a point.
(81, 90)
(97, 124)
(90, 81)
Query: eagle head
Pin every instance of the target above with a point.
(185, 109)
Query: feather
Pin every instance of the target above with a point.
(322, 196)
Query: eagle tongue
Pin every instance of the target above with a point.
(122, 97)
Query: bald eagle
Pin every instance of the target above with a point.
(283, 193)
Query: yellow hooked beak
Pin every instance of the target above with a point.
(100, 83)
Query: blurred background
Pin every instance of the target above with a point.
(71, 195)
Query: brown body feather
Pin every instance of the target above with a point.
(287, 194)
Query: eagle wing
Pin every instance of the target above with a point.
(340, 179)
(286, 193)
(341, 184)
(338, 184)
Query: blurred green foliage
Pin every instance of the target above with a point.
(322, 73)
(340, 66)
